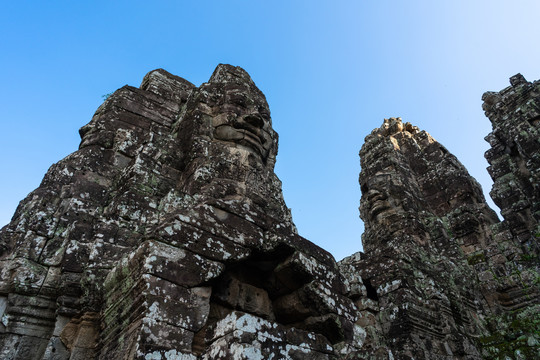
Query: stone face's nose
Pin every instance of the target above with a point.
(255, 120)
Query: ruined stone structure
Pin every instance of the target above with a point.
(166, 236)
(441, 277)
(423, 216)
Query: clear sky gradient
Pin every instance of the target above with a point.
(331, 71)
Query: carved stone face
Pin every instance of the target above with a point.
(378, 199)
(225, 135)
(378, 203)
(244, 121)
(246, 130)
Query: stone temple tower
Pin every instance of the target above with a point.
(166, 236)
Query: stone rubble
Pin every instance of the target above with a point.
(166, 236)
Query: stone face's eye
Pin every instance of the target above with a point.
(238, 99)
(364, 188)
(264, 112)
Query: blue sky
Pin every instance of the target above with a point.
(331, 72)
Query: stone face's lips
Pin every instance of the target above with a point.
(247, 131)
(378, 202)
(253, 127)
(240, 136)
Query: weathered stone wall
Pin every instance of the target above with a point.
(514, 157)
(166, 236)
(441, 277)
(510, 267)
(423, 215)
(91, 209)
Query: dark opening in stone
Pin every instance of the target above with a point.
(269, 286)
(371, 291)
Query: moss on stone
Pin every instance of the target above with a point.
(514, 335)
(476, 258)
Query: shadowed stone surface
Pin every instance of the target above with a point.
(166, 236)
